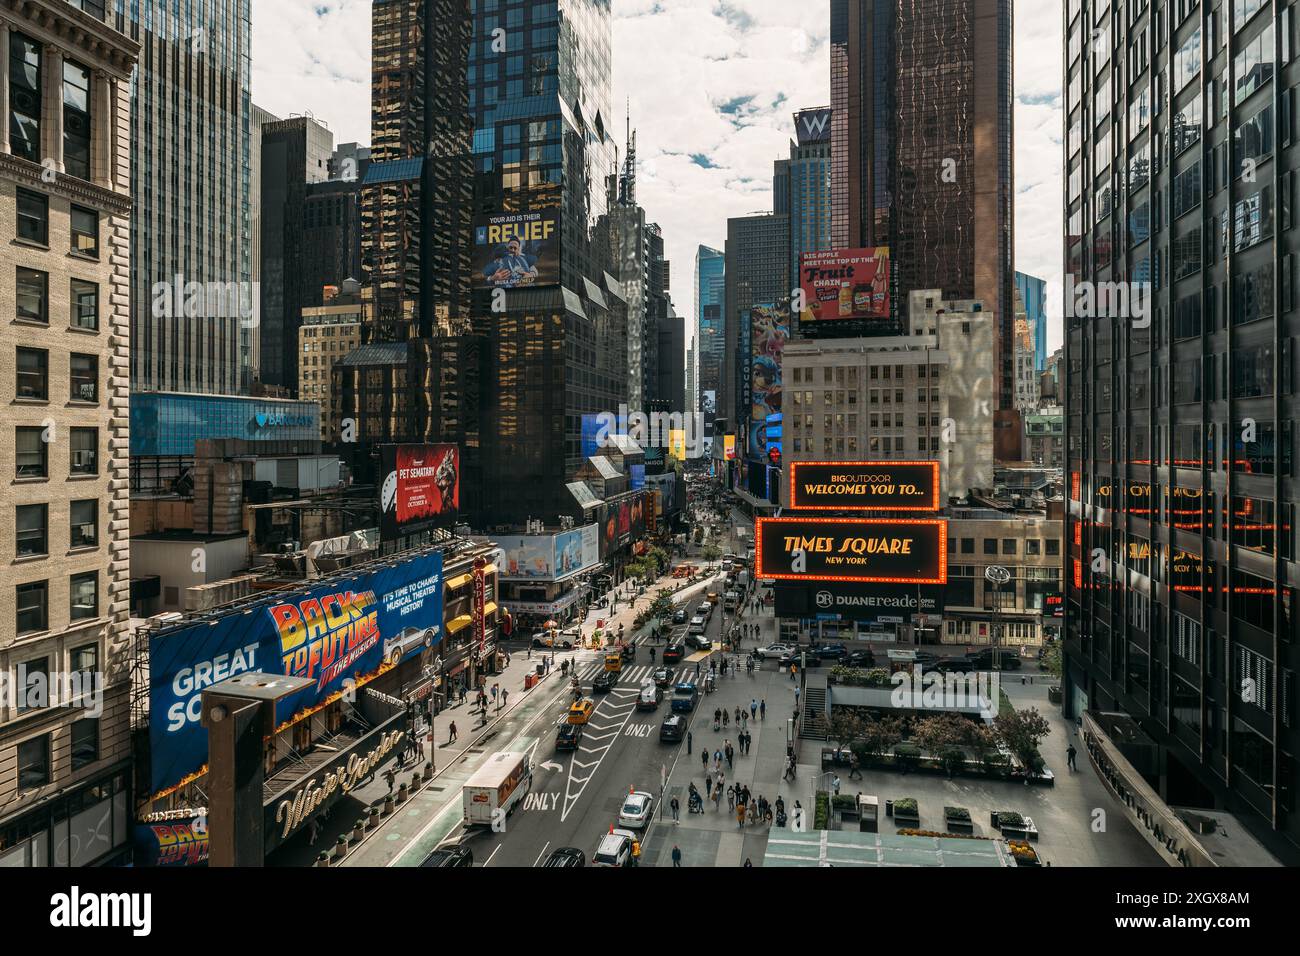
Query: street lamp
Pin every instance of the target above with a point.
(996, 575)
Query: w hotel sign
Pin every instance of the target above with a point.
(813, 126)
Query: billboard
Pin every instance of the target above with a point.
(547, 557)
(813, 126)
(865, 603)
(769, 330)
(517, 250)
(591, 428)
(884, 550)
(635, 477)
(342, 634)
(729, 447)
(864, 485)
(845, 284)
(420, 488)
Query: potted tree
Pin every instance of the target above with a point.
(1021, 731)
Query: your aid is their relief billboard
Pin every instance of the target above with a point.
(420, 488)
(864, 485)
(841, 284)
(517, 250)
(884, 550)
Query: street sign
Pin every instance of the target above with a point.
(997, 574)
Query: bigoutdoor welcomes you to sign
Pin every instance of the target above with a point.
(864, 485)
(891, 551)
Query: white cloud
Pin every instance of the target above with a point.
(679, 63)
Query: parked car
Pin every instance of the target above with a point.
(705, 610)
(960, 664)
(859, 659)
(803, 656)
(604, 682)
(673, 729)
(566, 856)
(679, 616)
(614, 849)
(697, 625)
(832, 652)
(1008, 660)
(450, 856)
(638, 808)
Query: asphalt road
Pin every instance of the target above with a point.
(576, 795)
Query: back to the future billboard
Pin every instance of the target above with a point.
(340, 634)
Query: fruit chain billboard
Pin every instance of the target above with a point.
(420, 488)
(884, 550)
(864, 485)
(845, 284)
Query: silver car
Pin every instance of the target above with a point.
(395, 648)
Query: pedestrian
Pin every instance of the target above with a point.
(451, 733)
(708, 786)
(730, 756)
(1069, 757)
(794, 669)
(726, 716)
(677, 855)
(731, 797)
(390, 777)
(740, 816)
(462, 693)
(697, 670)
(835, 784)
(854, 769)
(689, 741)
(753, 708)
(762, 709)
(505, 696)
(796, 696)
(748, 863)
(704, 760)
(419, 747)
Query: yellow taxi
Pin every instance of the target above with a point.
(580, 711)
(614, 662)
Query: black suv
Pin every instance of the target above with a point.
(450, 856)
(674, 653)
(566, 856)
(673, 729)
(568, 736)
(604, 682)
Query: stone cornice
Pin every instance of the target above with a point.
(80, 34)
(27, 173)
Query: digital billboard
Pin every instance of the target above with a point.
(864, 485)
(838, 284)
(865, 603)
(517, 250)
(341, 634)
(420, 488)
(769, 329)
(884, 550)
(729, 447)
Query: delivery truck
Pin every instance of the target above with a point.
(496, 787)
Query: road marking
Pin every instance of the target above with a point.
(539, 856)
(492, 854)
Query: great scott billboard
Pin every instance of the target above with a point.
(864, 485)
(885, 550)
(349, 628)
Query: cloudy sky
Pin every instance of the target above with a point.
(712, 85)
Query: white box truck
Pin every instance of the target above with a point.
(496, 787)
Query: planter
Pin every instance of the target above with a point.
(428, 771)
(374, 817)
(322, 859)
(388, 805)
(957, 820)
(358, 832)
(341, 848)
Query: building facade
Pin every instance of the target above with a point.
(65, 213)
(806, 175)
(1180, 395)
(327, 334)
(756, 271)
(921, 118)
(1033, 293)
(192, 297)
(710, 336)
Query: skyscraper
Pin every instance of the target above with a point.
(1181, 614)
(1033, 292)
(190, 236)
(294, 153)
(807, 178)
(921, 148)
(710, 337)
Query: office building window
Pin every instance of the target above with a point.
(76, 120)
(85, 742)
(33, 216)
(30, 453)
(85, 231)
(85, 451)
(33, 374)
(33, 684)
(32, 295)
(34, 762)
(32, 609)
(83, 376)
(85, 305)
(83, 598)
(24, 97)
(84, 519)
(990, 545)
(32, 527)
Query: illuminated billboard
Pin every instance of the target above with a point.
(884, 550)
(840, 284)
(420, 488)
(769, 330)
(864, 485)
(517, 250)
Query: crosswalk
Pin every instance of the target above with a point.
(636, 673)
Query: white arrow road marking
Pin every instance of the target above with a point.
(571, 796)
(551, 765)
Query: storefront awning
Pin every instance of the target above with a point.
(489, 608)
(490, 569)
(459, 581)
(459, 623)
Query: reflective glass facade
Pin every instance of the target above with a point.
(170, 424)
(1180, 247)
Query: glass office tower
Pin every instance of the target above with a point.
(1180, 254)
